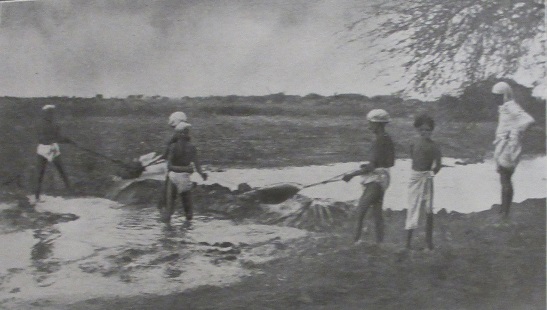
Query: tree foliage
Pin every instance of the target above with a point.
(453, 44)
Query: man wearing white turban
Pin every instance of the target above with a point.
(178, 121)
(49, 137)
(182, 154)
(177, 118)
(512, 123)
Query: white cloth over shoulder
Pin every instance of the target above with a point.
(181, 180)
(513, 121)
(48, 151)
(420, 191)
(378, 175)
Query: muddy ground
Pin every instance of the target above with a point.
(480, 262)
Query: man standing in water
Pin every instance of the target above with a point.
(48, 150)
(181, 155)
(512, 123)
(375, 173)
(174, 119)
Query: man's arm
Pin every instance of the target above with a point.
(166, 151)
(366, 167)
(197, 164)
(437, 162)
(522, 118)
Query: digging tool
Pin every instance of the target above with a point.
(278, 193)
(131, 170)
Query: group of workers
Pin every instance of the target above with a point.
(182, 158)
(426, 163)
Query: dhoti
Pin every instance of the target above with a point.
(507, 150)
(48, 151)
(420, 192)
(378, 175)
(181, 180)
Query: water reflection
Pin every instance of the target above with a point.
(462, 188)
(112, 250)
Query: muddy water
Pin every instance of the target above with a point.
(112, 250)
(461, 188)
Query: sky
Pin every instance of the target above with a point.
(179, 48)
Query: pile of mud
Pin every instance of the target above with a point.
(242, 205)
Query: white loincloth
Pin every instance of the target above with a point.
(420, 192)
(378, 175)
(507, 151)
(48, 151)
(513, 121)
(181, 180)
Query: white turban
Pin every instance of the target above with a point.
(378, 116)
(176, 118)
(182, 125)
(502, 88)
(48, 106)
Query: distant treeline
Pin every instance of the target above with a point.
(475, 104)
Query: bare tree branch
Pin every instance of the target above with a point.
(434, 36)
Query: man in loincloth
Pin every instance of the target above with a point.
(513, 122)
(49, 137)
(182, 154)
(426, 162)
(375, 173)
(174, 119)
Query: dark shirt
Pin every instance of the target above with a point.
(426, 155)
(382, 152)
(49, 133)
(182, 153)
(165, 154)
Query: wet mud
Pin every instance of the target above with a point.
(102, 250)
(97, 247)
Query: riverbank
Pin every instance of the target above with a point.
(90, 253)
(479, 262)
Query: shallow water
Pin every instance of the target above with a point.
(123, 251)
(461, 188)
(114, 250)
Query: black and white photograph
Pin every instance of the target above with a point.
(273, 154)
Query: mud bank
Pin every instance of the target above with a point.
(92, 253)
(242, 205)
(479, 263)
(464, 186)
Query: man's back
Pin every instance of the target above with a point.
(182, 153)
